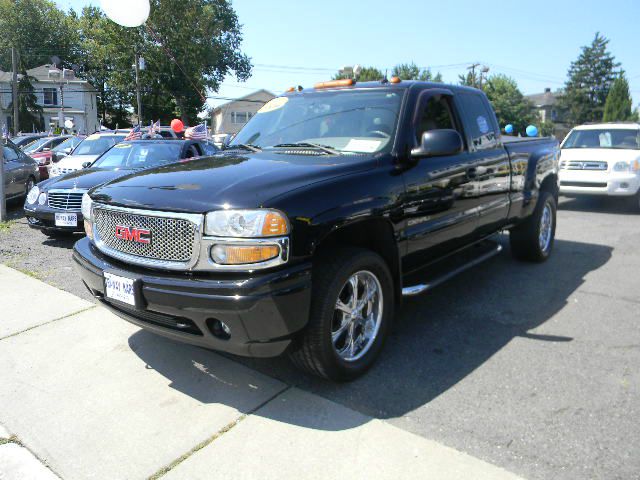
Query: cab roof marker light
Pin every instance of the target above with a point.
(294, 89)
(395, 80)
(345, 82)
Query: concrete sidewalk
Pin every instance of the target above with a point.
(84, 394)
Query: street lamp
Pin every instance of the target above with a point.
(60, 76)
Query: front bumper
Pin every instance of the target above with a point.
(262, 309)
(615, 184)
(43, 217)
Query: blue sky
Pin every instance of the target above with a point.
(293, 42)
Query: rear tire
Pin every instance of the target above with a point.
(346, 331)
(533, 240)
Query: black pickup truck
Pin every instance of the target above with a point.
(304, 235)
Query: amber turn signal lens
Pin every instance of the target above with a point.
(345, 82)
(274, 224)
(240, 254)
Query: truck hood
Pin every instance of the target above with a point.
(226, 181)
(610, 155)
(85, 178)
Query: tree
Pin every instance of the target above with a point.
(29, 112)
(618, 105)
(38, 30)
(367, 74)
(410, 71)
(590, 79)
(509, 103)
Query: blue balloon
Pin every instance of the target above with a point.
(508, 129)
(532, 131)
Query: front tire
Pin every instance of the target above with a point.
(533, 240)
(352, 308)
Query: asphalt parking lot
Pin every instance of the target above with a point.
(530, 367)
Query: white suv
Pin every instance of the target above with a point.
(87, 151)
(601, 159)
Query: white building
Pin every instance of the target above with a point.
(230, 117)
(79, 100)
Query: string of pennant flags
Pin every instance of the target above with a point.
(197, 132)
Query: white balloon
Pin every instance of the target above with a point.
(68, 123)
(128, 13)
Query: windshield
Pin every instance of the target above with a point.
(33, 146)
(95, 144)
(68, 143)
(603, 138)
(21, 141)
(358, 121)
(139, 155)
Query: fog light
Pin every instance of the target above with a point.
(624, 185)
(242, 254)
(219, 329)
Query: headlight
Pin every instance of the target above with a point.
(246, 223)
(42, 198)
(86, 207)
(33, 195)
(621, 167)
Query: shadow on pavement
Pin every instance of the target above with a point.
(600, 204)
(439, 339)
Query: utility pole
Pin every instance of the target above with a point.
(483, 74)
(138, 99)
(14, 88)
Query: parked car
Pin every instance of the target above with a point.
(22, 140)
(66, 147)
(86, 152)
(57, 209)
(21, 172)
(602, 159)
(41, 150)
(327, 208)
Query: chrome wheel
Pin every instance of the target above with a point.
(357, 316)
(546, 228)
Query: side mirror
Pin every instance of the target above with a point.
(439, 143)
(67, 150)
(86, 164)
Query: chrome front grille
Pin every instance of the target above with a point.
(584, 165)
(171, 239)
(65, 199)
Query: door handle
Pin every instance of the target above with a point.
(475, 172)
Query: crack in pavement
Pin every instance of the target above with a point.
(208, 441)
(48, 322)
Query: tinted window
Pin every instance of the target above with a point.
(480, 121)
(9, 153)
(437, 114)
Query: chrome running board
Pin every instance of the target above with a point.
(420, 288)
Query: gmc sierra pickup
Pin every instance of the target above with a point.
(305, 233)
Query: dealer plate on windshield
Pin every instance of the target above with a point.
(119, 288)
(66, 219)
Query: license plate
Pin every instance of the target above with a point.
(119, 288)
(66, 219)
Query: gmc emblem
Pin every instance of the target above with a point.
(133, 234)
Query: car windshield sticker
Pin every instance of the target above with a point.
(274, 104)
(483, 125)
(359, 145)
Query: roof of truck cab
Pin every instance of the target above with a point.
(403, 84)
(611, 126)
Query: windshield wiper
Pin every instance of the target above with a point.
(245, 146)
(325, 148)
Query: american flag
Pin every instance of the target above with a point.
(136, 134)
(199, 132)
